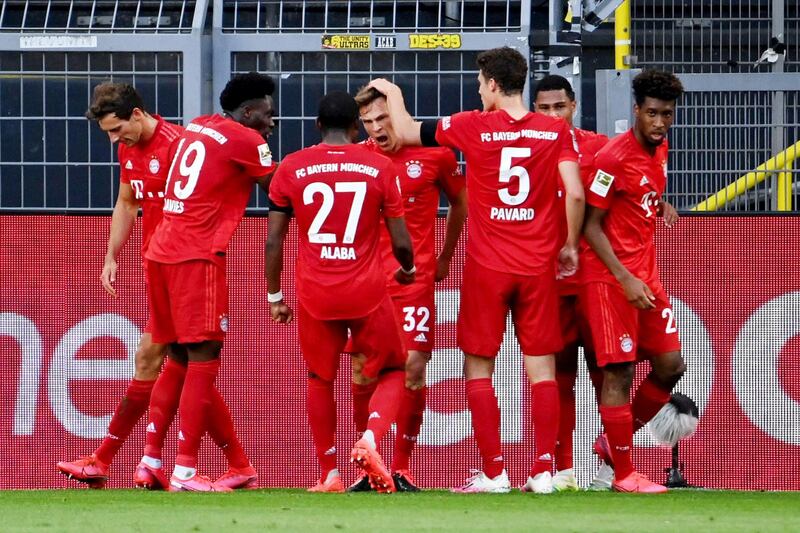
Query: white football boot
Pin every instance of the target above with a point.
(480, 482)
(541, 483)
(564, 481)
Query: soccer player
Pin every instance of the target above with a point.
(424, 173)
(217, 160)
(514, 159)
(144, 155)
(339, 192)
(628, 311)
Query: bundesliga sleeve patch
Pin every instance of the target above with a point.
(601, 183)
(264, 155)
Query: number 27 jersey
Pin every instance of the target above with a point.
(512, 186)
(339, 195)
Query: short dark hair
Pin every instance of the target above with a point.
(118, 98)
(244, 87)
(554, 82)
(506, 66)
(337, 111)
(366, 95)
(658, 84)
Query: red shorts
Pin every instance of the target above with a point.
(188, 301)
(621, 332)
(376, 335)
(574, 328)
(486, 297)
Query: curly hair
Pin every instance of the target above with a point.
(118, 98)
(506, 66)
(337, 111)
(658, 84)
(244, 87)
(554, 82)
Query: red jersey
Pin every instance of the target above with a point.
(628, 184)
(423, 172)
(144, 166)
(512, 186)
(589, 143)
(210, 181)
(339, 195)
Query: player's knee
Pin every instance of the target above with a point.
(148, 362)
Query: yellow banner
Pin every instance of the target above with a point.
(434, 40)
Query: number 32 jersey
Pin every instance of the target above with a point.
(210, 181)
(512, 186)
(339, 195)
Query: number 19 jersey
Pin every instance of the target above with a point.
(339, 195)
(512, 186)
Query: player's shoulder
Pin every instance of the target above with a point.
(541, 121)
(618, 148)
(590, 138)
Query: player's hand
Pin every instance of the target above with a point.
(404, 279)
(383, 86)
(669, 214)
(638, 293)
(109, 275)
(567, 261)
(281, 313)
(442, 268)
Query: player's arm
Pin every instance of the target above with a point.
(264, 181)
(402, 249)
(456, 215)
(575, 207)
(122, 221)
(405, 127)
(277, 227)
(636, 291)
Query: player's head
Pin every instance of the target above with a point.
(554, 97)
(119, 111)
(375, 118)
(655, 92)
(502, 72)
(338, 112)
(247, 99)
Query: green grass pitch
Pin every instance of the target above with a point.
(295, 510)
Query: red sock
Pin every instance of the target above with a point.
(129, 410)
(163, 406)
(321, 409)
(545, 418)
(361, 396)
(385, 403)
(648, 400)
(409, 420)
(486, 424)
(193, 409)
(566, 419)
(597, 380)
(618, 421)
(223, 432)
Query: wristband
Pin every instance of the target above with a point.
(274, 297)
(408, 272)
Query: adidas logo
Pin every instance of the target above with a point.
(643, 181)
(374, 414)
(498, 459)
(545, 457)
(421, 338)
(129, 165)
(180, 435)
(151, 428)
(331, 451)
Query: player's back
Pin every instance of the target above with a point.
(512, 184)
(339, 194)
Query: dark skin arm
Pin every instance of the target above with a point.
(456, 215)
(277, 228)
(636, 291)
(401, 248)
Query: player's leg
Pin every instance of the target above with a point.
(535, 313)
(321, 342)
(480, 327)
(566, 375)
(95, 468)
(361, 390)
(240, 473)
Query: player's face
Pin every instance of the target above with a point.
(653, 120)
(378, 125)
(488, 90)
(127, 132)
(555, 104)
(259, 116)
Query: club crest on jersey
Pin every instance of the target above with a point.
(413, 169)
(626, 343)
(601, 183)
(223, 323)
(154, 165)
